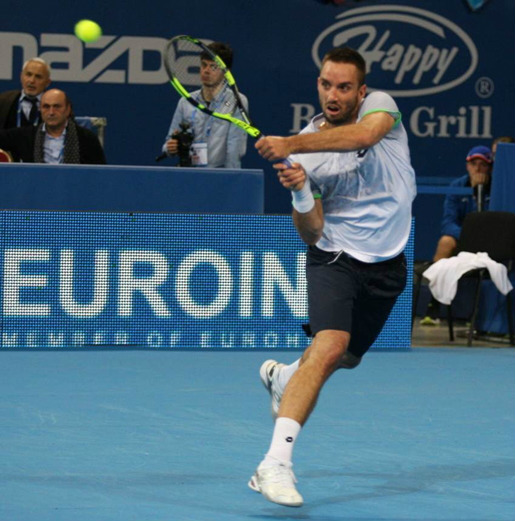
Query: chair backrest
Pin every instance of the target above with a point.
(95, 124)
(5, 157)
(489, 232)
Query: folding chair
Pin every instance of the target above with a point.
(95, 124)
(492, 233)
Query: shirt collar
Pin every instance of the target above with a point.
(219, 95)
(27, 97)
(43, 129)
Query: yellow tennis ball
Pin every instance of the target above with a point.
(88, 31)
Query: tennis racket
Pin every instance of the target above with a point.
(181, 59)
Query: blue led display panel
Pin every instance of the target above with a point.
(79, 280)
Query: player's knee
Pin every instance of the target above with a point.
(328, 349)
(333, 359)
(328, 357)
(340, 358)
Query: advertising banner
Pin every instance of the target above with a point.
(159, 281)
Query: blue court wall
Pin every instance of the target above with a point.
(109, 188)
(90, 280)
(450, 69)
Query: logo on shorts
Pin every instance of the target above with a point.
(289, 439)
(409, 51)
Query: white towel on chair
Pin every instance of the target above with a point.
(443, 275)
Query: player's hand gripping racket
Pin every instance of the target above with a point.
(181, 58)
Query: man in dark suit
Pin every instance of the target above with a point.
(20, 108)
(58, 139)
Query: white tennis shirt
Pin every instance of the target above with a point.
(366, 194)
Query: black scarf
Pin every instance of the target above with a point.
(71, 153)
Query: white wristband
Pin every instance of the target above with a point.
(303, 200)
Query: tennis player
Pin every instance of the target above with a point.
(352, 185)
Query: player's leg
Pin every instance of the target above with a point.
(330, 299)
(331, 292)
(382, 284)
(274, 477)
(320, 361)
(275, 376)
(370, 317)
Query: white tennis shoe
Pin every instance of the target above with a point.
(277, 484)
(268, 372)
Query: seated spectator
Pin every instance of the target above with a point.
(479, 167)
(58, 139)
(19, 108)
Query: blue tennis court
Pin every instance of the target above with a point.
(426, 435)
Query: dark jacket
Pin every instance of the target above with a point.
(9, 108)
(455, 207)
(20, 143)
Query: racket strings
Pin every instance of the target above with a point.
(187, 63)
(182, 62)
(226, 102)
(195, 75)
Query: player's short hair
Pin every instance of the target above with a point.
(221, 49)
(348, 55)
(37, 60)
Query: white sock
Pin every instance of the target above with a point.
(286, 373)
(285, 434)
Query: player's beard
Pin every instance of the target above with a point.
(345, 114)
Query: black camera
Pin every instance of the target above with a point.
(185, 138)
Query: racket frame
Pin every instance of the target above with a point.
(245, 123)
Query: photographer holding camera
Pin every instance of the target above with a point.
(180, 144)
(213, 143)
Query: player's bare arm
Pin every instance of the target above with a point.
(309, 224)
(357, 136)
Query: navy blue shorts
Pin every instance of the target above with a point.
(349, 295)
